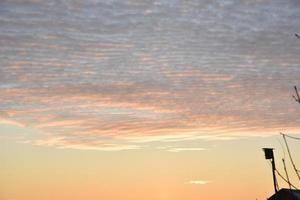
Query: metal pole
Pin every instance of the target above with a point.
(274, 175)
(270, 156)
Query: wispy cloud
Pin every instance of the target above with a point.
(198, 182)
(133, 81)
(65, 143)
(10, 122)
(176, 150)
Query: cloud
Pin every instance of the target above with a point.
(10, 122)
(148, 72)
(180, 149)
(65, 143)
(198, 182)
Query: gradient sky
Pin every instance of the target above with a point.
(152, 100)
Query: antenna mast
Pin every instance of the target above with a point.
(297, 98)
(270, 156)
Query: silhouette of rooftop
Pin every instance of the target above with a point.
(286, 194)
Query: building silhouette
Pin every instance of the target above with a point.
(286, 194)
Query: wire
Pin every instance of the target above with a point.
(285, 180)
(292, 137)
(276, 182)
(291, 159)
(282, 147)
(281, 176)
(286, 173)
(283, 162)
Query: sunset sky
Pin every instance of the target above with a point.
(146, 99)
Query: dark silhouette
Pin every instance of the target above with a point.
(270, 156)
(286, 194)
(297, 98)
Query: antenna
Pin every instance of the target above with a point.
(291, 159)
(297, 98)
(270, 156)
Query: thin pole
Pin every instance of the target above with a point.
(274, 176)
(269, 155)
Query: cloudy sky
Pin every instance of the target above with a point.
(148, 78)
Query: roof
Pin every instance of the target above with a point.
(286, 194)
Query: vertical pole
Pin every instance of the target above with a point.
(270, 156)
(274, 175)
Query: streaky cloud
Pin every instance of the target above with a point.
(198, 182)
(180, 149)
(131, 73)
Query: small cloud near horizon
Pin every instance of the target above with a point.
(176, 150)
(198, 182)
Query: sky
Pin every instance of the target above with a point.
(152, 99)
